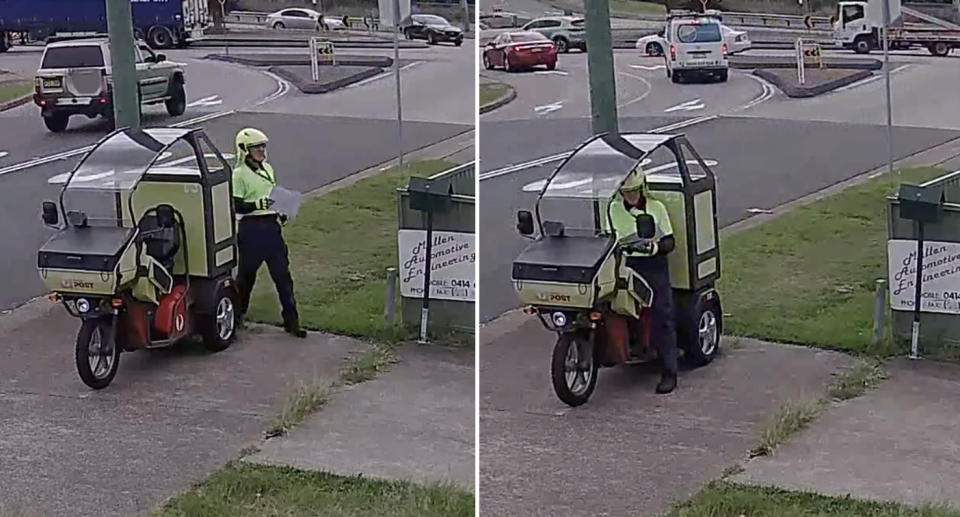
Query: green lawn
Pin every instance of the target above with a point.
(808, 277)
(722, 499)
(636, 7)
(340, 246)
(14, 90)
(243, 490)
(490, 92)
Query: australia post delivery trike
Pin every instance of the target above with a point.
(145, 251)
(574, 277)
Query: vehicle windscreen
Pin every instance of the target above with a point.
(73, 57)
(699, 33)
(113, 168)
(430, 19)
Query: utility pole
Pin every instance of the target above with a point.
(126, 105)
(886, 74)
(466, 16)
(396, 74)
(603, 85)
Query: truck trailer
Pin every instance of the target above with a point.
(161, 23)
(859, 25)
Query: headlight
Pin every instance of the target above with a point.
(559, 319)
(83, 305)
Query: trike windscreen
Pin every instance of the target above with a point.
(113, 168)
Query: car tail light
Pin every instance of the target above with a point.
(724, 49)
(673, 52)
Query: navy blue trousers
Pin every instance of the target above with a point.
(260, 240)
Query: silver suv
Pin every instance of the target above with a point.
(75, 78)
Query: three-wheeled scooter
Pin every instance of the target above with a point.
(574, 277)
(144, 254)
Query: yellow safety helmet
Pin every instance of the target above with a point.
(636, 180)
(247, 138)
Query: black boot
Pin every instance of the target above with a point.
(293, 328)
(668, 382)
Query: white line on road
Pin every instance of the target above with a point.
(381, 76)
(282, 88)
(641, 97)
(212, 100)
(548, 108)
(869, 79)
(765, 95)
(3, 154)
(691, 105)
(557, 157)
(650, 68)
(549, 72)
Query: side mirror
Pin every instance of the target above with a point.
(646, 226)
(525, 222)
(161, 58)
(165, 216)
(51, 216)
(149, 59)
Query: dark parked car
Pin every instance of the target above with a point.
(432, 28)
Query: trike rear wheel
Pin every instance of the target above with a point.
(700, 328)
(573, 369)
(219, 328)
(98, 357)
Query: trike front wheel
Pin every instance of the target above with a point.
(573, 369)
(98, 357)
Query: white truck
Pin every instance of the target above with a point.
(859, 24)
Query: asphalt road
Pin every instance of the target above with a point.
(315, 139)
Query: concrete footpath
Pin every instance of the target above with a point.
(170, 419)
(415, 422)
(898, 443)
(627, 451)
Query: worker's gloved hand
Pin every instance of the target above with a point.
(264, 203)
(283, 218)
(648, 246)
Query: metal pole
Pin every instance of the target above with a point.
(879, 310)
(425, 312)
(126, 106)
(915, 334)
(466, 16)
(603, 85)
(396, 73)
(886, 74)
(388, 301)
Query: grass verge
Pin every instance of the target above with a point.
(243, 490)
(722, 499)
(491, 92)
(636, 7)
(808, 276)
(14, 90)
(795, 415)
(340, 246)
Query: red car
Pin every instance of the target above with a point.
(517, 50)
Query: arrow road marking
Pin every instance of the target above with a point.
(60, 179)
(537, 186)
(212, 100)
(548, 108)
(686, 106)
(650, 68)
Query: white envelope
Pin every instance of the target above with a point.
(287, 202)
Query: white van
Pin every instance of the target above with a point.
(695, 46)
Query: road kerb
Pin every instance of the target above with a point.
(15, 103)
(502, 101)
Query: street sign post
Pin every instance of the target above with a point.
(396, 73)
(886, 74)
(321, 49)
(603, 84)
(126, 105)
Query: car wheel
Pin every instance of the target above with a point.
(722, 76)
(862, 45)
(654, 49)
(552, 65)
(97, 358)
(563, 46)
(407, 33)
(506, 63)
(279, 26)
(677, 77)
(56, 122)
(431, 39)
(486, 62)
(177, 103)
(458, 42)
(160, 37)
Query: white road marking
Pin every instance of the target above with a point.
(537, 186)
(548, 108)
(381, 76)
(282, 88)
(759, 211)
(641, 97)
(3, 154)
(557, 157)
(869, 79)
(767, 93)
(692, 105)
(550, 72)
(213, 100)
(650, 68)
(60, 179)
